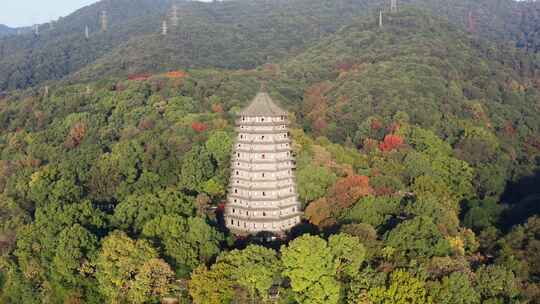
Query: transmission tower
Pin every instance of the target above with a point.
(164, 28)
(174, 15)
(86, 32)
(380, 19)
(393, 6)
(36, 29)
(104, 21)
(472, 22)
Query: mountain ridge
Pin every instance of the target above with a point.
(239, 29)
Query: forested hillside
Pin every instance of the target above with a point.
(6, 30)
(417, 148)
(230, 34)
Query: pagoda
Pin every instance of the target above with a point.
(262, 194)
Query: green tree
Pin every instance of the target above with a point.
(127, 269)
(214, 188)
(403, 288)
(496, 283)
(219, 144)
(454, 289)
(52, 185)
(136, 210)
(418, 238)
(372, 210)
(75, 247)
(315, 266)
(211, 286)
(313, 182)
(309, 264)
(348, 252)
(255, 269)
(154, 280)
(197, 168)
(187, 242)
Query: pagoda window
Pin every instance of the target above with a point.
(234, 211)
(238, 154)
(263, 175)
(264, 194)
(238, 223)
(282, 117)
(241, 136)
(235, 200)
(237, 173)
(262, 137)
(235, 190)
(232, 222)
(264, 213)
(262, 119)
(263, 156)
(243, 118)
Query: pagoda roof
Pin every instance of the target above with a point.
(262, 105)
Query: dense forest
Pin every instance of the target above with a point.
(230, 34)
(417, 146)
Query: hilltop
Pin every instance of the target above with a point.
(230, 34)
(6, 30)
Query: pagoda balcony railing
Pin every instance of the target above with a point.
(280, 123)
(262, 150)
(269, 187)
(272, 131)
(274, 169)
(262, 142)
(263, 161)
(265, 180)
(278, 208)
(264, 218)
(261, 198)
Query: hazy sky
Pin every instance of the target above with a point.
(28, 12)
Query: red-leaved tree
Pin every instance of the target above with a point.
(199, 127)
(391, 142)
(349, 189)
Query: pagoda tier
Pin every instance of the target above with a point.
(262, 193)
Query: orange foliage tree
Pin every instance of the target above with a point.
(319, 212)
(349, 189)
(199, 127)
(316, 107)
(344, 194)
(391, 142)
(76, 135)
